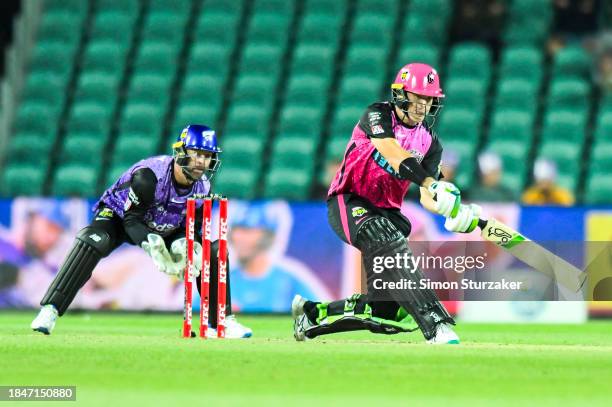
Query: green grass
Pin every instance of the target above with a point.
(120, 359)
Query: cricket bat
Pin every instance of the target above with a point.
(532, 254)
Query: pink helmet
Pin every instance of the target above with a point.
(420, 79)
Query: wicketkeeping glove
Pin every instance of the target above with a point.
(465, 221)
(446, 196)
(156, 248)
(178, 250)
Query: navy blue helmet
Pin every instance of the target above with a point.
(196, 137)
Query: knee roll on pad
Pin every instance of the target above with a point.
(96, 238)
(377, 231)
(76, 269)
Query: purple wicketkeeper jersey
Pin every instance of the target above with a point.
(167, 213)
(365, 172)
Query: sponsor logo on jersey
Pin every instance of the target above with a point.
(132, 199)
(104, 214)
(359, 211)
(377, 129)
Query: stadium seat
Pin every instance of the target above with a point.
(74, 180)
(30, 147)
(517, 94)
(564, 126)
(459, 124)
(164, 27)
(422, 53)
(13, 179)
(321, 28)
(293, 119)
(470, 60)
(365, 61)
(373, 30)
(572, 61)
(140, 119)
(61, 26)
(524, 62)
(359, 91)
(288, 184)
(115, 26)
(83, 150)
(261, 59)
(603, 129)
(129, 7)
(270, 29)
(238, 182)
(105, 56)
(129, 150)
(515, 126)
(598, 188)
(45, 88)
(76, 7)
(97, 88)
(158, 58)
(313, 59)
(569, 94)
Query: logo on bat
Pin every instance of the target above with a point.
(503, 236)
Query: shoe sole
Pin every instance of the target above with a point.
(42, 330)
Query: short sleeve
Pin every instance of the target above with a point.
(377, 121)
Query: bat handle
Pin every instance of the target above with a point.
(482, 223)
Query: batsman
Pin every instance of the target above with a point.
(146, 206)
(391, 147)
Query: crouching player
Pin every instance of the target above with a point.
(146, 206)
(391, 147)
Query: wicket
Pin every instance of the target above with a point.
(205, 273)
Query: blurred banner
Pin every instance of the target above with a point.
(277, 249)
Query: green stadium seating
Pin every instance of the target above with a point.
(164, 27)
(247, 119)
(236, 182)
(572, 61)
(321, 28)
(129, 150)
(150, 88)
(465, 92)
(75, 180)
(37, 118)
(269, 29)
(528, 22)
(460, 124)
(61, 26)
(431, 9)
(129, 7)
(278, 7)
(202, 89)
(14, 175)
(155, 57)
(567, 157)
(384, 8)
(598, 188)
(288, 184)
(307, 91)
(517, 94)
(524, 62)
(514, 126)
(256, 89)
(470, 60)
(50, 57)
(105, 56)
(424, 53)
(77, 7)
(261, 59)
(603, 129)
(218, 28)
(83, 150)
(431, 34)
(365, 61)
(30, 147)
(191, 114)
(373, 30)
(114, 26)
(97, 88)
(243, 151)
(210, 58)
(564, 126)
(336, 148)
(313, 59)
(140, 119)
(359, 91)
(300, 121)
(569, 94)
(171, 7)
(43, 87)
(89, 118)
(513, 156)
(466, 150)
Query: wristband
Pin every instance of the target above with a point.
(411, 169)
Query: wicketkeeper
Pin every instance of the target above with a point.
(146, 206)
(391, 147)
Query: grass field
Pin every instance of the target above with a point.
(121, 359)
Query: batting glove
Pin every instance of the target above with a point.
(447, 198)
(465, 221)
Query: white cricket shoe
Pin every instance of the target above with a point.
(233, 330)
(297, 306)
(45, 321)
(444, 335)
(300, 325)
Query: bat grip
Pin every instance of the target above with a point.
(482, 223)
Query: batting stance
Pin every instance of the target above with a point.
(146, 206)
(391, 147)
